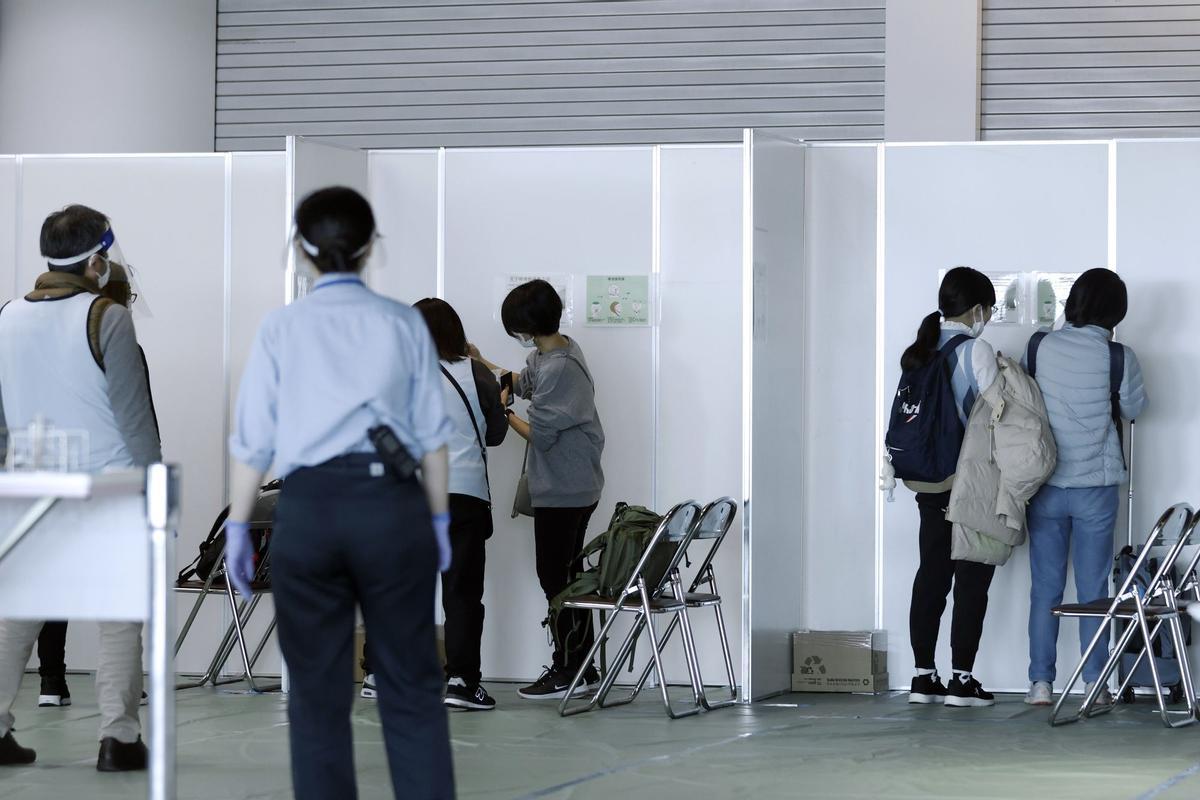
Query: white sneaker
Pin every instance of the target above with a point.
(1102, 699)
(368, 688)
(1041, 693)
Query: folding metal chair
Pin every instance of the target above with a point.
(1139, 606)
(715, 521)
(262, 517)
(644, 595)
(235, 634)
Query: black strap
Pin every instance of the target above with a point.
(474, 425)
(1031, 352)
(1116, 375)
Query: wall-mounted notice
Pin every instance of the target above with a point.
(1052, 289)
(618, 300)
(563, 284)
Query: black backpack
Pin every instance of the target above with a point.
(261, 524)
(925, 433)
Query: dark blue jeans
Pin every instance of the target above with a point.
(1078, 523)
(343, 538)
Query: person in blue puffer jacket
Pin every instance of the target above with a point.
(1075, 513)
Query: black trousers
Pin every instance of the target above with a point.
(52, 650)
(932, 585)
(558, 535)
(462, 589)
(344, 538)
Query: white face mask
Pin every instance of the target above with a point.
(102, 279)
(979, 323)
(526, 340)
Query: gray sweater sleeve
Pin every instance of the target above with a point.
(562, 399)
(128, 386)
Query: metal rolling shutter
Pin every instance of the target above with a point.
(1090, 68)
(420, 73)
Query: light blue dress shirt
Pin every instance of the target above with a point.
(328, 367)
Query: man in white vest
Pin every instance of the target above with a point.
(70, 356)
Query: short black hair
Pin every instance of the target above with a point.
(532, 308)
(73, 230)
(445, 327)
(339, 223)
(1099, 297)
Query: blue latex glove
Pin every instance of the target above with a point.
(239, 557)
(441, 531)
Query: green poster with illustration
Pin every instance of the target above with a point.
(618, 300)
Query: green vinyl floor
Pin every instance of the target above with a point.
(234, 745)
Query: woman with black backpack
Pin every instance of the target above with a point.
(948, 339)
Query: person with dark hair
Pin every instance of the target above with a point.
(342, 393)
(965, 301)
(472, 397)
(566, 441)
(52, 642)
(72, 357)
(1074, 515)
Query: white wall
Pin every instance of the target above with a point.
(931, 70)
(840, 250)
(122, 76)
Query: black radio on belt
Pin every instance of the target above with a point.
(393, 451)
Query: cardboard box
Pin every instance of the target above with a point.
(839, 661)
(360, 635)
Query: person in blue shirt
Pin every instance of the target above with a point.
(1074, 515)
(353, 528)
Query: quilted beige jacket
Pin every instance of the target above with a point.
(1007, 454)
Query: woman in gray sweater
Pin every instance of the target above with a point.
(565, 477)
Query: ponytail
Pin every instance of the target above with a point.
(922, 351)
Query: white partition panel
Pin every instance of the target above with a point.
(405, 197)
(169, 212)
(698, 449)
(840, 219)
(561, 211)
(774, 446)
(312, 165)
(1158, 255)
(992, 207)
(256, 215)
(10, 170)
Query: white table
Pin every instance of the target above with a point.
(107, 541)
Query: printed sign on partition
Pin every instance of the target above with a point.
(618, 300)
(563, 284)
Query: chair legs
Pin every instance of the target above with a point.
(1140, 625)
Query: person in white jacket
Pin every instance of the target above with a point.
(1075, 513)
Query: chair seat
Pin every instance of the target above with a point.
(218, 586)
(699, 600)
(1099, 608)
(595, 602)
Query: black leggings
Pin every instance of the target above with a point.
(932, 584)
(558, 535)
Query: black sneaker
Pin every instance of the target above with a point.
(968, 694)
(54, 692)
(554, 683)
(12, 753)
(927, 689)
(470, 698)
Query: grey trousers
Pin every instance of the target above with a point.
(118, 674)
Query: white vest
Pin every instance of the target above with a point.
(47, 370)
(468, 473)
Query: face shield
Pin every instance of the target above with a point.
(114, 269)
